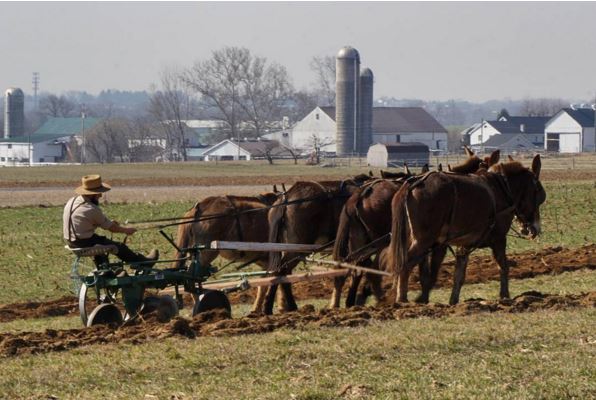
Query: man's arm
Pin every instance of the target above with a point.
(116, 228)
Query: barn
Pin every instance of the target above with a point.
(571, 130)
(389, 125)
(382, 155)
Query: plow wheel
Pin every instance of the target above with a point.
(95, 312)
(210, 300)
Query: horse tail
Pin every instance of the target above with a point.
(340, 248)
(399, 229)
(276, 217)
(184, 234)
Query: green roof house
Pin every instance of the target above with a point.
(46, 145)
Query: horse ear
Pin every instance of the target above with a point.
(536, 165)
(449, 167)
(468, 151)
(440, 167)
(494, 157)
(274, 188)
(407, 169)
(283, 187)
(425, 168)
(510, 158)
(370, 173)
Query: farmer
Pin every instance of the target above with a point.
(82, 216)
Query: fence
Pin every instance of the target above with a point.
(555, 161)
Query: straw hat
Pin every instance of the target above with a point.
(91, 184)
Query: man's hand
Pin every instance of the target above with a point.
(129, 231)
(116, 228)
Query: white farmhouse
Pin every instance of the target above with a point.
(389, 125)
(570, 131)
(530, 127)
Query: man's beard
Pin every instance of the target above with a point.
(95, 200)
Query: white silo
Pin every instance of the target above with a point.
(346, 101)
(14, 113)
(365, 116)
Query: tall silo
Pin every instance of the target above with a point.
(347, 65)
(14, 113)
(365, 117)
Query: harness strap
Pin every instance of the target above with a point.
(71, 227)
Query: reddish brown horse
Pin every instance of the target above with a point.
(467, 211)
(310, 217)
(232, 222)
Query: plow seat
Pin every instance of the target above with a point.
(97, 250)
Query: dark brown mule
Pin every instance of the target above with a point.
(365, 218)
(311, 218)
(467, 211)
(231, 222)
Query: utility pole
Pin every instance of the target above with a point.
(83, 132)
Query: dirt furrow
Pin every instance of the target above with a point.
(217, 324)
(551, 260)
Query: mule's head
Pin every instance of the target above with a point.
(527, 192)
(270, 197)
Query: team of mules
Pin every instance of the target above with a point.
(392, 223)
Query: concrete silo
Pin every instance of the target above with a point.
(14, 113)
(365, 116)
(347, 65)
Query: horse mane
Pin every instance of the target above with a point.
(509, 168)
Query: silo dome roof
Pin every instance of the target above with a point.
(14, 91)
(366, 73)
(348, 52)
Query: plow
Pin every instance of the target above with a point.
(117, 293)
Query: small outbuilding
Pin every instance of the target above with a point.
(571, 130)
(383, 155)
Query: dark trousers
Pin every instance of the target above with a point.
(124, 253)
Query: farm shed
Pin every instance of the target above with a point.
(571, 130)
(384, 155)
(245, 150)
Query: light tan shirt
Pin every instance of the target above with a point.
(81, 218)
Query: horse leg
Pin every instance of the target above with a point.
(402, 285)
(461, 261)
(353, 289)
(425, 281)
(501, 259)
(290, 303)
(437, 257)
(257, 306)
(269, 300)
(374, 286)
(338, 284)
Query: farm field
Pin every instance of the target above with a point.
(538, 345)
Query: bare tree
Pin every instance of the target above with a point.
(324, 68)
(265, 91)
(303, 102)
(54, 106)
(541, 107)
(220, 81)
(108, 141)
(170, 107)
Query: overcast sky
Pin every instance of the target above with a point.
(472, 51)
